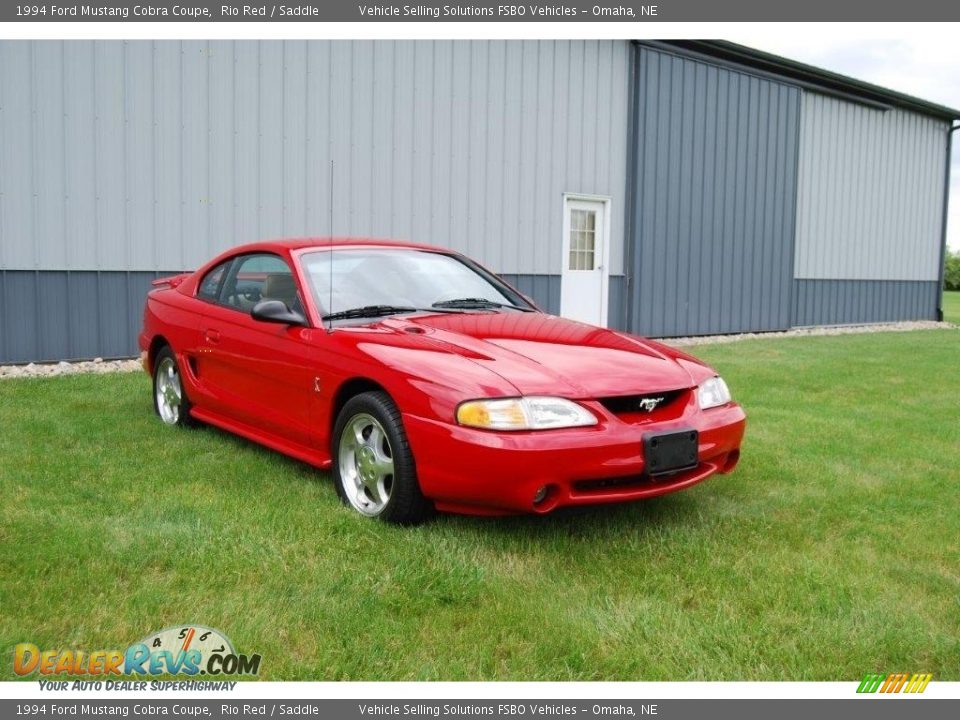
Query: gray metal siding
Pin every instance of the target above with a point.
(617, 309)
(714, 200)
(59, 315)
(141, 155)
(544, 290)
(846, 302)
(870, 196)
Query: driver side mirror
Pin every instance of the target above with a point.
(276, 311)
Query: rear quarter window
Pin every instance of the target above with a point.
(210, 285)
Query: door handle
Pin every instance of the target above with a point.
(212, 336)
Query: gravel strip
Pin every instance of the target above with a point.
(811, 331)
(99, 365)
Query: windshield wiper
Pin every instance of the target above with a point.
(477, 303)
(369, 311)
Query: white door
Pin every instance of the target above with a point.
(584, 280)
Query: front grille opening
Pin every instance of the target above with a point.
(628, 482)
(620, 483)
(644, 404)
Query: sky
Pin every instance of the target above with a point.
(925, 68)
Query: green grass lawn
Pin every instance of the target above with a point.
(951, 307)
(831, 551)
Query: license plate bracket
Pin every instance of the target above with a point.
(671, 452)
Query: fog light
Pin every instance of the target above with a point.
(541, 495)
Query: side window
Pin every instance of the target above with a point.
(210, 285)
(260, 277)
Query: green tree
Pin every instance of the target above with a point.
(951, 271)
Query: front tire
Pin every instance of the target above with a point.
(170, 400)
(373, 465)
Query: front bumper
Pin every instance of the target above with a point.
(482, 472)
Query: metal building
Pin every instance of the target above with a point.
(663, 188)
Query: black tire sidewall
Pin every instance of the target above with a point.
(406, 503)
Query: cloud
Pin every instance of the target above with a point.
(916, 66)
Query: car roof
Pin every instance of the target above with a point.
(300, 243)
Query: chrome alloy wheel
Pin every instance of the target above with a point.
(169, 391)
(366, 464)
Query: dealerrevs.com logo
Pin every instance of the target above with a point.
(181, 650)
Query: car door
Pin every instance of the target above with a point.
(260, 374)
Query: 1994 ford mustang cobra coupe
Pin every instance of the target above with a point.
(425, 382)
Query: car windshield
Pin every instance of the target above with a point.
(401, 278)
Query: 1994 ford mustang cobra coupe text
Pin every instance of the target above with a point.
(424, 381)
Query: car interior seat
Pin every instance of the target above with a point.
(280, 286)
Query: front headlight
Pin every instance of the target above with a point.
(526, 413)
(713, 392)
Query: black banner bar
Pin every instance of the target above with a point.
(872, 708)
(480, 11)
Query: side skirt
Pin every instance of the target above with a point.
(309, 455)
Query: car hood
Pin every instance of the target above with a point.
(543, 354)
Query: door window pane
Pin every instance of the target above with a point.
(261, 277)
(583, 227)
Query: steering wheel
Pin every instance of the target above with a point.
(250, 294)
(243, 297)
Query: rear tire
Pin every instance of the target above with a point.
(373, 466)
(170, 399)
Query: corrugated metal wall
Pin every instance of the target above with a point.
(844, 302)
(145, 155)
(714, 204)
(121, 159)
(870, 192)
(67, 315)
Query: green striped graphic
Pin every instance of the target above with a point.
(871, 682)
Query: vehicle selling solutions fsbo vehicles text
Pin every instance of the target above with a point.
(507, 11)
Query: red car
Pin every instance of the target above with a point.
(424, 381)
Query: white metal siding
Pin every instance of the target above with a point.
(870, 198)
(156, 155)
